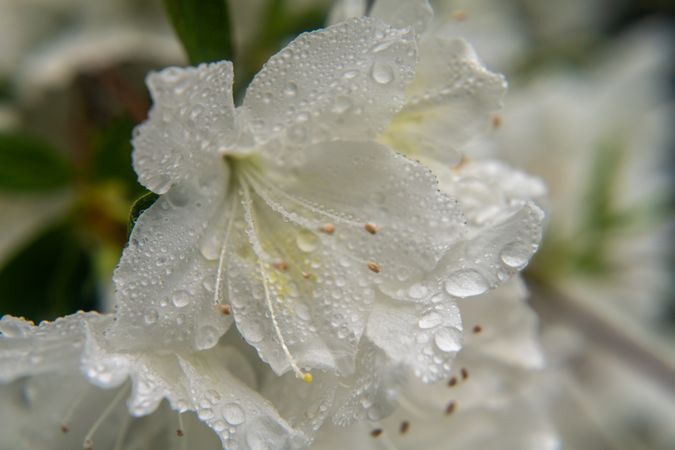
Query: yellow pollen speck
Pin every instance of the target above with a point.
(459, 15)
(327, 228)
(370, 228)
(307, 378)
(373, 266)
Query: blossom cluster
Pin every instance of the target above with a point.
(319, 254)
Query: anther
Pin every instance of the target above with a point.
(64, 428)
(179, 431)
(452, 382)
(405, 426)
(327, 228)
(477, 329)
(306, 275)
(376, 432)
(497, 121)
(374, 267)
(88, 444)
(225, 309)
(281, 265)
(451, 408)
(465, 373)
(371, 228)
(307, 378)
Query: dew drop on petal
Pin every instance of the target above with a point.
(515, 255)
(430, 320)
(291, 89)
(466, 283)
(207, 337)
(180, 298)
(417, 291)
(307, 241)
(178, 196)
(234, 414)
(382, 73)
(446, 341)
(150, 317)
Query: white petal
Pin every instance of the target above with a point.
(26, 349)
(345, 81)
(404, 13)
(451, 99)
(192, 120)
(318, 301)
(425, 336)
(165, 282)
(502, 326)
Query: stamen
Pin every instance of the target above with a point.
(376, 432)
(371, 228)
(451, 408)
(306, 376)
(88, 439)
(465, 373)
(452, 382)
(225, 309)
(123, 432)
(181, 427)
(71, 410)
(327, 228)
(477, 329)
(405, 426)
(497, 121)
(374, 267)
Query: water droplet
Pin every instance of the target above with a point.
(150, 316)
(207, 337)
(350, 74)
(466, 283)
(307, 241)
(417, 291)
(382, 73)
(291, 89)
(234, 414)
(252, 331)
(342, 105)
(447, 341)
(515, 255)
(178, 196)
(430, 320)
(180, 298)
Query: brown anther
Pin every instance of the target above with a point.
(477, 329)
(371, 228)
(374, 267)
(306, 275)
(459, 15)
(225, 309)
(64, 429)
(180, 433)
(327, 228)
(460, 164)
(451, 408)
(452, 382)
(376, 432)
(497, 121)
(465, 373)
(281, 265)
(88, 445)
(405, 426)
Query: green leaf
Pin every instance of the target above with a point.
(140, 205)
(203, 27)
(27, 164)
(50, 277)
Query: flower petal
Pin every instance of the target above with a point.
(165, 281)
(452, 97)
(404, 13)
(191, 122)
(424, 336)
(355, 216)
(344, 81)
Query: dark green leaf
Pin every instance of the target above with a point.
(203, 27)
(50, 277)
(143, 203)
(27, 164)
